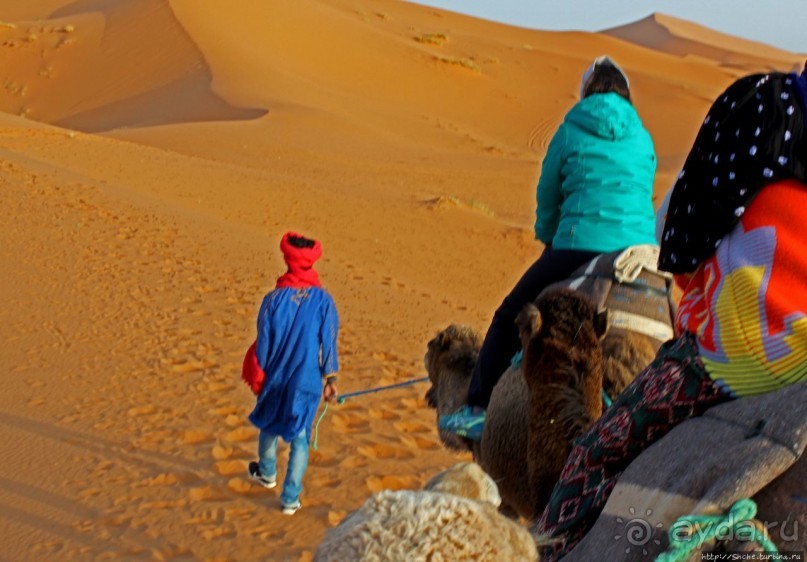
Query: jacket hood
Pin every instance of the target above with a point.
(609, 116)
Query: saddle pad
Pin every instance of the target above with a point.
(702, 467)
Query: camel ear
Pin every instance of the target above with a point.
(601, 323)
(528, 322)
(443, 340)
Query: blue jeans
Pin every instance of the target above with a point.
(298, 461)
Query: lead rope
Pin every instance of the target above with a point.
(315, 443)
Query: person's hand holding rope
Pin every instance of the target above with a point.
(330, 392)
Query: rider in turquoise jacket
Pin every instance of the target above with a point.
(594, 197)
(596, 186)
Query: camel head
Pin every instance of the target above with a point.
(563, 314)
(563, 361)
(528, 322)
(449, 360)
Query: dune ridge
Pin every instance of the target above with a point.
(151, 155)
(688, 39)
(68, 70)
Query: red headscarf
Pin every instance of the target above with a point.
(300, 262)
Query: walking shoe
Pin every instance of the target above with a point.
(265, 481)
(466, 422)
(291, 509)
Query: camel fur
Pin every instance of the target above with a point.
(435, 524)
(450, 358)
(563, 369)
(502, 451)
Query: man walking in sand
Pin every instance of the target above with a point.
(296, 349)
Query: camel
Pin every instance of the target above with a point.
(563, 369)
(640, 320)
(502, 451)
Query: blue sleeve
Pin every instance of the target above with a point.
(549, 196)
(329, 331)
(264, 338)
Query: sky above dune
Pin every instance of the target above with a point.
(780, 23)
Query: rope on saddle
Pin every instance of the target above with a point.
(690, 532)
(638, 296)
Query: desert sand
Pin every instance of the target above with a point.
(153, 152)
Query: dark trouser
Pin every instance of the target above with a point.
(502, 341)
(672, 389)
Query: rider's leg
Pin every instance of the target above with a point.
(502, 341)
(672, 389)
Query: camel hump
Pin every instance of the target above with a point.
(628, 284)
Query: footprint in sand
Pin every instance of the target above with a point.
(350, 423)
(162, 504)
(379, 483)
(382, 414)
(382, 451)
(412, 427)
(325, 481)
(421, 443)
(221, 452)
(208, 516)
(226, 532)
(243, 487)
(242, 434)
(89, 492)
(215, 387)
(335, 517)
(168, 479)
(230, 468)
(268, 532)
(141, 411)
(224, 411)
(413, 403)
(383, 356)
(195, 436)
(207, 493)
(318, 458)
(354, 462)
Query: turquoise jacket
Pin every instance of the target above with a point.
(596, 186)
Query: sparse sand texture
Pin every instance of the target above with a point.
(152, 152)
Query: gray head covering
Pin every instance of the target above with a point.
(602, 59)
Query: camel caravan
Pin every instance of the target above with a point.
(583, 341)
(632, 425)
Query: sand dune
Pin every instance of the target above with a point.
(151, 155)
(100, 65)
(687, 39)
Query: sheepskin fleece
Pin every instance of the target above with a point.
(415, 526)
(468, 480)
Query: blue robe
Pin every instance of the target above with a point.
(296, 347)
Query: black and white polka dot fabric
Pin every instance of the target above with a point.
(753, 135)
